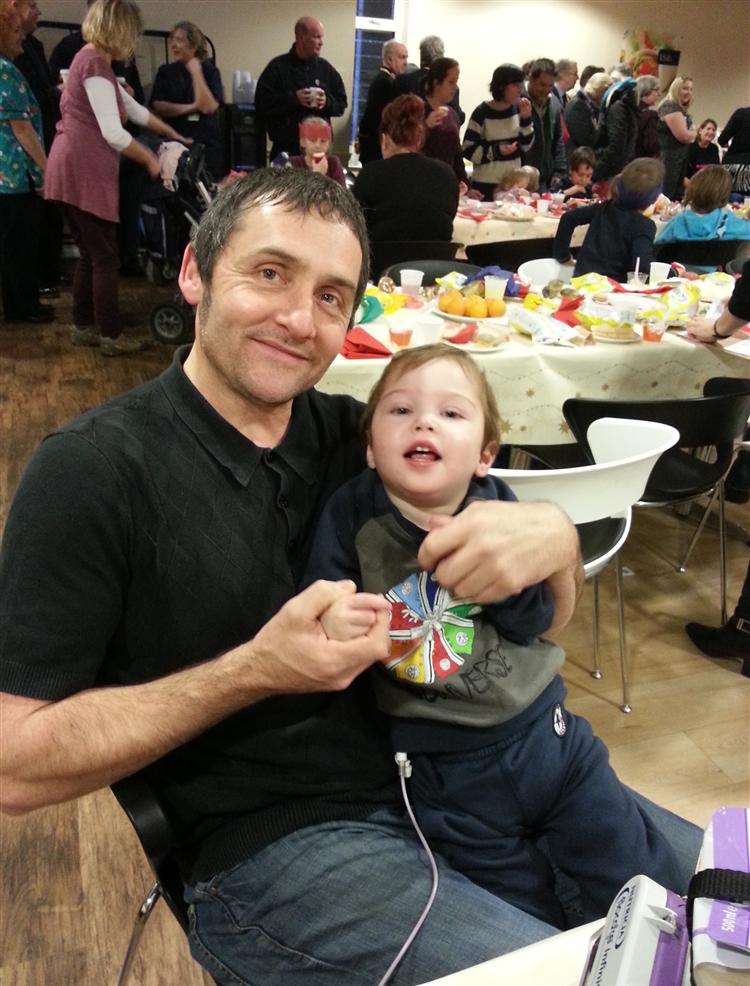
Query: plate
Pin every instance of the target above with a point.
(472, 347)
(515, 219)
(488, 320)
(617, 342)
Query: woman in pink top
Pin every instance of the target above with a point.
(83, 165)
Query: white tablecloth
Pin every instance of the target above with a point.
(531, 382)
(556, 961)
(470, 233)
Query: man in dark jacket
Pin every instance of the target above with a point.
(548, 151)
(618, 132)
(298, 84)
(430, 48)
(382, 90)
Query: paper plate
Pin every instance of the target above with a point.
(487, 320)
(617, 342)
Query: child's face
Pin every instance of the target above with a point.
(521, 182)
(427, 436)
(314, 147)
(582, 174)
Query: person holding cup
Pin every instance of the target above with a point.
(296, 84)
(315, 140)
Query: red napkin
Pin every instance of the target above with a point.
(478, 217)
(359, 344)
(465, 334)
(567, 311)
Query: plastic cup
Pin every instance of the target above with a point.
(494, 287)
(64, 73)
(121, 79)
(411, 281)
(653, 331)
(637, 279)
(658, 272)
(558, 197)
(400, 337)
(542, 207)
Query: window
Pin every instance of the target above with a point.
(377, 21)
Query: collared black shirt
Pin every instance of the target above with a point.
(149, 535)
(382, 90)
(277, 103)
(174, 84)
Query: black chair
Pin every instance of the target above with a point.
(718, 420)
(138, 800)
(508, 254)
(386, 253)
(699, 253)
(431, 269)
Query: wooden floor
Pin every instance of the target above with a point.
(72, 876)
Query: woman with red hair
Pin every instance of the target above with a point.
(406, 196)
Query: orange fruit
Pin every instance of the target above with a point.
(452, 303)
(496, 307)
(476, 307)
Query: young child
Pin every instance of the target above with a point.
(619, 230)
(315, 139)
(507, 785)
(706, 216)
(581, 168)
(520, 180)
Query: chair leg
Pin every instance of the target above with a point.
(623, 643)
(596, 671)
(722, 553)
(697, 533)
(142, 917)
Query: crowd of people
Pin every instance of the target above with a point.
(532, 133)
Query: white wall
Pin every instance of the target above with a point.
(713, 35)
(246, 33)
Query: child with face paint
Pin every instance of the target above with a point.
(315, 139)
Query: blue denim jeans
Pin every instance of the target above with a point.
(332, 904)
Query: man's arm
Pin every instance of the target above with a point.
(274, 96)
(55, 751)
(336, 101)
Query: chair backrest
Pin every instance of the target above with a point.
(138, 800)
(610, 486)
(431, 269)
(717, 419)
(386, 253)
(508, 254)
(708, 253)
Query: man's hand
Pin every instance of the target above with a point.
(494, 550)
(320, 100)
(524, 107)
(303, 97)
(349, 617)
(292, 654)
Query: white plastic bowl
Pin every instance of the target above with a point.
(540, 272)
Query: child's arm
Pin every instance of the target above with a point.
(352, 616)
(564, 234)
(643, 247)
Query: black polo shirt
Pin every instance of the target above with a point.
(149, 535)
(174, 84)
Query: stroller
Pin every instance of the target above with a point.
(166, 218)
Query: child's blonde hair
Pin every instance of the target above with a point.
(511, 179)
(412, 359)
(533, 175)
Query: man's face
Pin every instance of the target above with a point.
(540, 87)
(396, 59)
(29, 16)
(281, 298)
(426, 438)
(310, 40)
(568, 79)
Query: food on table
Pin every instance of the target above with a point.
(488, 339)
(465, 334)
(476, 287)
(452, 302)
(387, 285)
(496, 307)
(553, 289)
(476, 307)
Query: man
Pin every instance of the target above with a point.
(548, 151)
(33, 63)
(430, 48)
(382, 90)
(152, 619)
(298, 84)
(566, 76)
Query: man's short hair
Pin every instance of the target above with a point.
(296, 190)
(430, 48)
(411, 359)
(388, 47)
(639, 184)
(541, 66)
(646, 84)
(565, 65)
(588, 72)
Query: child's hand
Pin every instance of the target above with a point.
(524, 107)
(352, 616)
(507, 150)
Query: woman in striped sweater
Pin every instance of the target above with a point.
(499, 130)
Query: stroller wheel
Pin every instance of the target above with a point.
(171, 324)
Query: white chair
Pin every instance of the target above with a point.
(598, 499)
(540, 272)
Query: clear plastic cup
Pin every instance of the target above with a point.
(637, 279)
(494, 287)
(653, 331)
(558, 197)
(411, 281)
(64, 73)
(400, 336)
(658, 272)
(542, 206)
